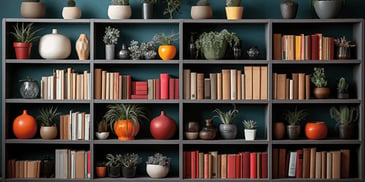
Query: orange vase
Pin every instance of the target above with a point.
(167, 52)
(278, 130)
(25, 126)
(316, 130)
(126, 129)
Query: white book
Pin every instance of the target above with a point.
(49, 87)
(291, 97)
(87, 126)
(329, 165)
(74, 125)
(193, 86)
(58, 85)
(243, 86)
(107, 86)
(73, 164)
(62, 84)
(233, 84)
(79, 126)
(61, 164)
(69, 83)
(292, 164)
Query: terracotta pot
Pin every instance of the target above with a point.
(126, 130)
(22, 50)
(25, 126)
(82, 47)
(100, 171)
(234, 13)
(71, 12)
(321, 93)
(345, 131)
(316, 130)
(201, 12)
(32, 9)
(167, 52)
(48, 132)
(278, 130)
(162, 127)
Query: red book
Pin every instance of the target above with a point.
(139, 96)
(246, 165)
(88, 165)
(164, 88)
(206, 166)
(282, 162)
(129, 85)
(332, 48)
(315, 54)
(140, 92)
(298, 168)
(264, 165)
(193, 164)
(176, 88)
(197, 163)
(184, 164)
(238, 158)
(171, 88)
(157, 89)
(253, 165)
(231, 165)
(140, 83)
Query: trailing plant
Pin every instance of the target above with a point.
(71, 3)
(295, 117)
(173, 6)
(111, 35)
(226, 117)
(202, 3)
(24, 34)
(138, 51)
(342, 42)
(164, 39)
(120, 2)
(344, 115)
(102, 126)
(319, 77)
(158, 159)
(231, 3)
(342, 85)
(47, 115)
(113, 160)
(249, 124)
(130, 160)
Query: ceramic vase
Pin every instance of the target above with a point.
(119, 12)
(109, 51)
(162, 127)
(201, 12)
(147, 10)
(32, 9)
(209, 131)
(288, 9)
(25, 126)
(54, 46)
(82, 47)
(124, 52)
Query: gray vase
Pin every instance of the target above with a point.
(228, 131)
(326, 9)
(124, 52)
(293, 131)
(288, 9)
(147, 10)
(109, 51)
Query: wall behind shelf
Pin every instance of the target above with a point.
(254, 9)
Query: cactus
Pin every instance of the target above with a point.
(342, 85)
(249, 124)
(120, 2)
(344, 115)
(71, 3)
(202, 3)
(230, 3)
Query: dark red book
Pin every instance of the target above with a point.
(188, 164)
(164, 81)
(157, 89)
(139, 96)
(176, 88)
(197, 163)
(129, 85)
(332, 48)
(231, 165)
(275, 163)
(315, 47)
(264, 165)
(246, 165)
(171, 88)
(238, 158)
(298, 173)
(282, 163)
(193, 164)
(253, 159)
(140, 92)
(184, 164)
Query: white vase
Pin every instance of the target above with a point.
(157, 171)
(54, 46)
(71, 13)
(250, 134)
(119, 12)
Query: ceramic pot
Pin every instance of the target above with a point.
(119, 12)
(288, 9)
(321, 93)
(201, 12)
(22, 50)
(250, 134)
(278, 130)
(129, 172)
(82, 47)
(126, 129)
(109, 51)
(327, 9)
(228, 131)
(25, 126)
(100, 171)
(234, 12)
(237, 51)
(71, 12)
(191, 135)
(124, 52)
(102, 135)
(32, 9)
(114, 172)
(147, 10)
(209, 131)
(29, 89)
(345, 131)
(157, 171)
(47, 167)
(54, 46)
(192, 126)
(167, 52)
(293, 131)
(48, 132)
(162, 127)
(151, 54)
(316, 130)
(215, 54)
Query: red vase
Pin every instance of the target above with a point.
(25, 126)
(162, 127)
(316, 130)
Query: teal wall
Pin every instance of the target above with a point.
(254, 9)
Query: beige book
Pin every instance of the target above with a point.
(318, 165)
(329, 165)
(312, 167)
(281, 82)
(243, 86)
(307, 87)
(103, 84)
(213, 86)
(223, 166)
(226, 84)
(193, 86)
(151, 90)
(233, 84)
(248, 82)
(336, 165)
(207, 88)
(263, 83)
(238, 85)
(219, 86)
(200, 86)
(256, 82)
(186, 80)
(214, 155)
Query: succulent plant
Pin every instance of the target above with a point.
(226, 117)
(111, 35)
(202, 3)
(342, 85)
(71, 3)
(164, 39)
(158, 159)
(344, 115)
(295, 117)
(249, 124)
(120, 2)
(47, 115)
(130, 160)
(231, 3)
(24, 33)
(114, 160)
(319, 78)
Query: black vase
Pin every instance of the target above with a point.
(192, 47)
(129, 172)
(47, 167)
(124, 52)
(147, 10)
(288, 9)
(237, 51)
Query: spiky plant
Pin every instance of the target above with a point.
(226, 117)
(344, 115)
(47, 115)
(202, 3)
(295, 117)
(230, 3)
(164, 39)
(342, 85)
(71, 3)
(130, 160)
(120, 2)
(113, 160)
(24, 33)
(249, 124)
(158, 159)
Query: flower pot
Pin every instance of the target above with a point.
(293, 131)
(228, 131)
(32, 9)
(54, 46)
(109, 51)
(114, 172)
(343, 52)
(126, 129)
(215, 54)
(167, 52)
(326, 9)
(201, 12)
(22, 50)
(25, 126)
(345, 131)
(48, 132)
(278, 130)
(343, 95)
(157, 171)
(321, 93)
(162, 127)
(147, 10)
(29, 89)
(82, 47)
(119, 12)
(100, 171)
(191, 135)
(129, 172)
(316, 130)
(71, 12)
(288, 9)
(234, 13)
(250, 134)
(102, 135)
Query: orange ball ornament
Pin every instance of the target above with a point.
(25, 126)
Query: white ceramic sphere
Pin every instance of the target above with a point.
(54, 46)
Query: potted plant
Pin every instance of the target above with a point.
(234, 10)
(158, 165)
(172, 6)
(250, 129)
(327, 9)
(345, 117)
(47, 116)
(342, 89)
(288, 9)
(145, 50)
(124, 119)
(119, 9)
(148, 8)
(130, 161)
(71, 11)
(294, 118)
(166, 50)
(343, 47)
(227, 128)
(24, 36)
(32, 9)
(202, 10)
(213, 44)
(102, 132)
(110, 39)
(29, 88)
(114, 164)
(321, 91)
(100, 169)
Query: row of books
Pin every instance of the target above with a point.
(295, 88)
(115, 86)
(65, 84)
(311, 163)
(23, 168)
(214, 165)
(230, 84)
(303, 47)
(75, 126)
(72, 164)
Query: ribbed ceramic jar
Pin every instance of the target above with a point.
(82, 47)
(54, 46)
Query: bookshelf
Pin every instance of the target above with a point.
(258, 32)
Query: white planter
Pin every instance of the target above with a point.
(157, 171)
(54, 46)
(119, 12)
(201, 12)
(250, 134)
(71, 13)
(32, 10)
(102, 135)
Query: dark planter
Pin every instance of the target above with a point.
(129, 172)
(326, 9)
(293, 131)
(345, 131)
(114, 172)
(147, 10)
(343, 95)
(288, 9)
(278, 130)
(228, 131)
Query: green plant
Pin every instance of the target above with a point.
(71, 3)
(158, 159)
(226, 117)
(27, 79)
(102, 126)
(249, 124)
(138, 51)
(342, 85)
(295, 117)
(344, 115)
(111, 35)
(47, 115)
(117, 112)
(163, 39)
(113, 160)
(202, 3)
(130, 160)
(319, 77)
(173, 6)
(24, 33)
(231, 3)
(120, 2)
(342, 42)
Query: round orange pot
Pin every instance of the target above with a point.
(126, 129)
(167, 52)
(25, 126)
(316, 130)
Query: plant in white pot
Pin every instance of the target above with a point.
(102, 132)
(71, 11)
(202, 10)
(227, 128)
(119, 9)
(47, 116)
(158, 165)
(32, 9)
(250, 129)
(110, 39)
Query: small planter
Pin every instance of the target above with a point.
(147, 10)
(114, 172)
(48, 132)
(71, 13)
(22, 50)
(288, 9)
(278, 130)
(234, 13)
(109, 51)
(343, 95)
(119, 12)
(157, 171)
(250, 134)
(102, 135)
(293, 131)
(321, 93)
(228, 131)
(129, 172)
(201, 12)
(100, 171)
(345, 131)
(215, 54)
(32, 9)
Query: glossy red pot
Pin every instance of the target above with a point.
(25, 126)
(162, 127)
(316, 130)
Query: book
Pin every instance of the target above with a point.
(248, 82)
(246, 165)
(253, 168)
(345, 163)
(277, 46)
(239, 84)
(214, 164)
(226, 84)
(318, 167)
(264, 166)
(199, 86)
(193, 85)
(256, 82)
(263, 83)
(186, 81)
(223, 166)
(329, 165)
(164, 88)
(213, 86)
(336, 164)
(299, 166)
(233, 84)
(171, 89)
(292, 164)
(323, 162)
(312, 164)
(207, 88)
(275, 163)
(231, 166)
(219, 86)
